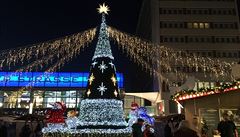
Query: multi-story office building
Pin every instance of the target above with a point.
(205, 27)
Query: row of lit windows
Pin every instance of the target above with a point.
(196, 25)
(197, 11)
(199, 25)
(198, 39)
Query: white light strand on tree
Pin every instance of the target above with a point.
(103, 48)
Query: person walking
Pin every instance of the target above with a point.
(184, 130)
(137, 128)
(227, 127)
(37, 131)
(3, 129)
(148, 132)
(167, 130)
(26, 131)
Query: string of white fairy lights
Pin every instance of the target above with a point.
(65, 49)
(43, 54)
(162, 60)
(154, 58)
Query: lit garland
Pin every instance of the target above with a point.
(40, 55)
(190, 94)
(108, 112)
(65, 132)
(165, 60)
(70, 47)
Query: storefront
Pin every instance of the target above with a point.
(209, 109)
(17, 89)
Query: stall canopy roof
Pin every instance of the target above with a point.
(154, 97)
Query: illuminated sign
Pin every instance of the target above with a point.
(41, 79)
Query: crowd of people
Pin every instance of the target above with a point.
(226, 128)
(26, 131)
(141, 130)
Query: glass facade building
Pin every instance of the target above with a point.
(17, 89)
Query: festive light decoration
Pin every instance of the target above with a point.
(160, 60)
(94, 63)
(87, 132)
(40, 56)
(112, 65)
(139, 112)
(103, 9)
(102, 66)
(108, 112)
(114, 80)
(88, 92)
(103, 48)
(91, 79)
(72, 120)
(102, 112)
(102, 89)
(157, 59)
(55, 115)
(190, 94)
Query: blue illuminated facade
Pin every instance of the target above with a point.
(42, 79)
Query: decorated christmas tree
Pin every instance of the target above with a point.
(101, 110)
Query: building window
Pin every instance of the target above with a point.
(182, 39)
(190, 25)
(176, 39)
(206, 25)
(195, 25)
(235, 55)
(224, 54)
(209, 54)
(201, 25)
(229, 54)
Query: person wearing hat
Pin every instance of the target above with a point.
(227, 127)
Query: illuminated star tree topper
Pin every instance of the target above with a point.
(103, 48)
(103, 9)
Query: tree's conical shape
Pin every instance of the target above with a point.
(101, 110)
(103, 48)
(102, 83)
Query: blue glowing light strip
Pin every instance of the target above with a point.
(41, 79)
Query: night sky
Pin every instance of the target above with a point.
(27, 22)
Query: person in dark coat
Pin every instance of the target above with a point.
(227, 127)
(184, 130)
(3, 129)
(26, 131)
(137, 128)
(147, 132)
(167, 130)
(37, 131)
